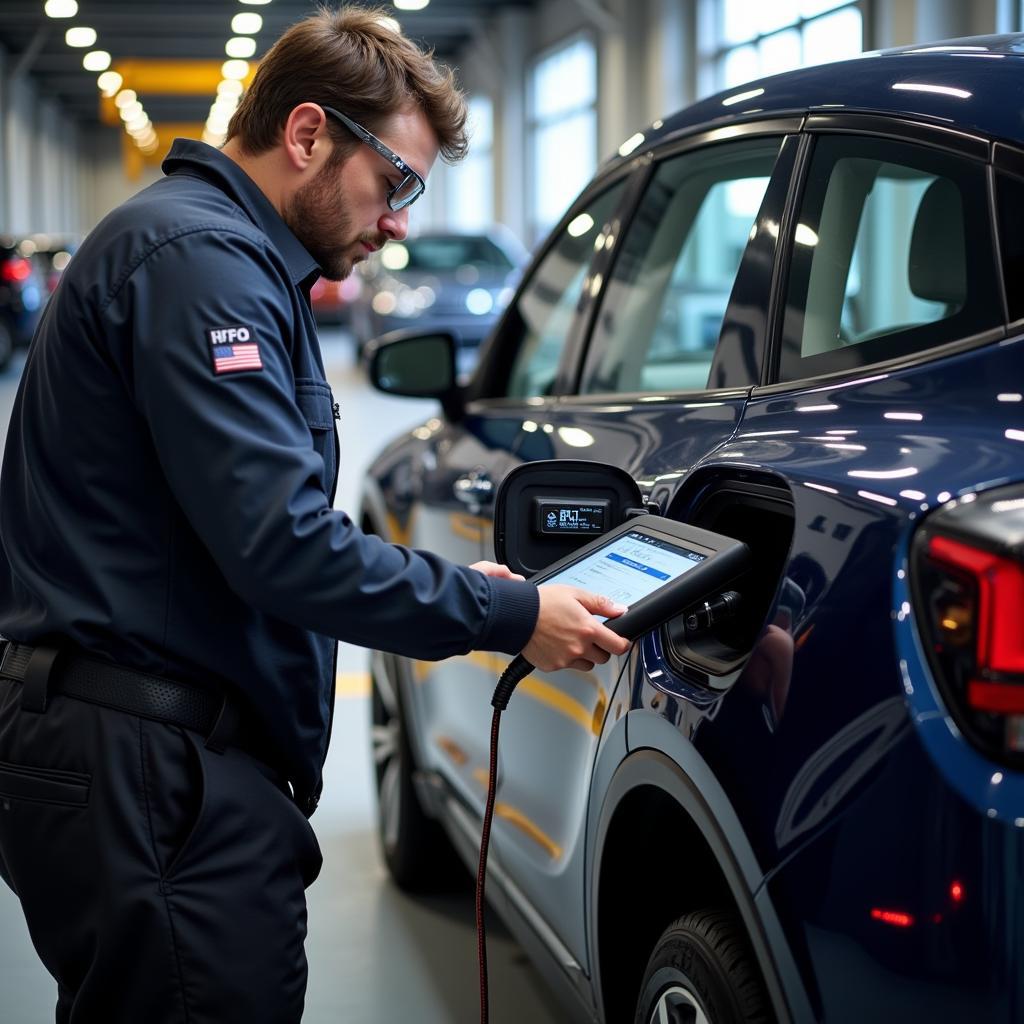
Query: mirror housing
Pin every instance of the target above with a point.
(416, 364)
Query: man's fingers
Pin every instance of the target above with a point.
(598, 604)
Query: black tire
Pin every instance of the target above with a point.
(418, 854)
(702, 972)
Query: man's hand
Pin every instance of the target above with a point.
(497, 570)
(567, 635)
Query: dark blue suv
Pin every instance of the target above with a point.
(793, 314)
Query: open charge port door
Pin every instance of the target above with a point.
(546, 510)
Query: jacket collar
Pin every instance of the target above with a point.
(225, 174)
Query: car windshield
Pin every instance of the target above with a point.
(445, 254)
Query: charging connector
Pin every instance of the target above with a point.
(709, 614)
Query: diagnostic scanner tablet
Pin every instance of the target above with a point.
(657, 567)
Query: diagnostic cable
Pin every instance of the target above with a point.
(657, 567)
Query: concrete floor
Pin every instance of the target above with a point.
(375, 955)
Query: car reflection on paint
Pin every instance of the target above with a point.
(791, 314)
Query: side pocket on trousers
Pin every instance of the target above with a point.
(43, 785)
(175, 784)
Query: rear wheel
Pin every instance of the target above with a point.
(418, 854)
(702, 972)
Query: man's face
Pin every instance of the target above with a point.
(342, 215)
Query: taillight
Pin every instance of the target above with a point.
(969, 587)
(16, 269)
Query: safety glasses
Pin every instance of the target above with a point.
(411, 187)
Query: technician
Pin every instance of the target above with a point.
(173, 576)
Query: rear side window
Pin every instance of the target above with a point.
(892, 255)
(1010, 199)
(663, 307)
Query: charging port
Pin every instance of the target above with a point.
(760, 515)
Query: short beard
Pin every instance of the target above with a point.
(318, 220)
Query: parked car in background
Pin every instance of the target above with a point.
(26, 276)
(455, 281)
(331, 299)
(794, 316)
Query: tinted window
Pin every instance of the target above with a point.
(544, 311)
(892, 254)
(662, 310)
(1010, 196)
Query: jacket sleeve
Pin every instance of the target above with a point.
(238, 457)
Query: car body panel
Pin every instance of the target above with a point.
(824, 771)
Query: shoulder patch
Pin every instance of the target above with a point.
(234, 349)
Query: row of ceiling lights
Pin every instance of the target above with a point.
(245, 25)
(133, 115)
(234, 70)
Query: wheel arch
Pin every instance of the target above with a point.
(643, 878)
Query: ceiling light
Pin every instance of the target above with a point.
(80, 35)
(240, 46)
(411, 5)
(96, 60)
(131, 111)
(237, 69)
(255, 3)
(230, 87)
(109, 82)
(61, 8)
(124, 97)
(390, 24)
(248, 23)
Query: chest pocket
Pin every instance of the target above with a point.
(317, 404)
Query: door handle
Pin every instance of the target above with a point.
(474, 488)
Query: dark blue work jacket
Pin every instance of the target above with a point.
(166, 498)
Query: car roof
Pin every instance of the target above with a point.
(974, 84)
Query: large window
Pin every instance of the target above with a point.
(544, 313)
(563, 130)
(471, 182)
(892, 255)
(662, 310)
(747, 39)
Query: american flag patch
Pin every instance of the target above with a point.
(234, 349)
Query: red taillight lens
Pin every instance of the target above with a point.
(1000, 582)
(16, 269)
(971, 613)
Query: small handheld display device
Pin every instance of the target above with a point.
(655, 566)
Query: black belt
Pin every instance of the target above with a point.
(47, 670)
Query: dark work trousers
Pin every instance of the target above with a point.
(161, 882)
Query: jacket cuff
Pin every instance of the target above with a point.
(511, 616)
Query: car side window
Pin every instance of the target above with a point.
(663, 307)
(892, 255)
(544, 311)
(1010, 206)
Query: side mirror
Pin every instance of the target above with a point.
(417, 365)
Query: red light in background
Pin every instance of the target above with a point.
(16, 270)
(956, 892)
(894, 917)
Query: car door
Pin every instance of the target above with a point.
(883, 403)
(464, 461)
(682, 306)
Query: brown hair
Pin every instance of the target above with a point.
(351, 60)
